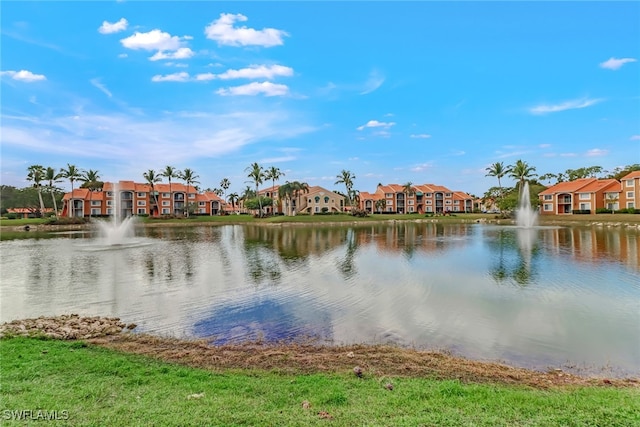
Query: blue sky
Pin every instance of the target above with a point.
(425, 92)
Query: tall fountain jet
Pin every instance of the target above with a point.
(119, 229)
(526, 216)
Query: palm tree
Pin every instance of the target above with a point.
(408, 190)
(521, 172)
(225, 184)
(72, 173)
(274, 174)
(285, 193)
(298, 188)
(170, 172)
(52, 178)
(152, 179)
(233, 198)
(499, 171)
(256, 173)
(346, 177)
(380, 204)
(247, 194)
(36, 175)
(91, 180)
(190, 177)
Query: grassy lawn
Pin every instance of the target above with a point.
(90, 385)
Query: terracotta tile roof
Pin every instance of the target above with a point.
(632, 175)
(461, 195)
(600, 184)
(368, 196)
(568, 187)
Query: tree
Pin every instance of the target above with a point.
(170, 172)
(548, 177)
(247, 194)
(298, 188)
(380, 204)
(256, 173)
(619, 172)
(346, 177)
(91, 180)
(36, 175)
(408, 190)
(52, 178)
(233, 199)
(499, 171)
(225, 184)
(190, 177)
(152, 179)
(72, 173)
(521, 172)
(274, 174)
(285, 194)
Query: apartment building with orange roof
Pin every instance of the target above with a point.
(580, 195)
(630, 191)
(423, 198)
(127, 198)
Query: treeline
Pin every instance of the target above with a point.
(12, 197)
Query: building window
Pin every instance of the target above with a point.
(410, 208)
(447, 194)
(109, 202)
(388, 195)
(142, 203)
(429, 209)
(165, 211)
(447, 202)
(142, 211)
(192, 195)
(166, 195)
(389, 209)
(141, 195)
(317, 199)
(389, 202)
(95, 212)
(109, 211)
(585, 206)
(428, 195)
(410, 202)
(96, 203)
(317, 208)
(630, 205)
(548, 207)
(629, 183)
(548, 196)
(585, 196)
(630, 195)
(326, 199)
(202, 203)
(165, 203)
(109, 193)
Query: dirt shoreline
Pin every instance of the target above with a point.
(378, 361)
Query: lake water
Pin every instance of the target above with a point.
(548, 297)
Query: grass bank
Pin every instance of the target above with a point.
(82, 383)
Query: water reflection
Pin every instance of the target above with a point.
(575, 293)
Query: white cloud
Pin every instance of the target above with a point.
(635, 138)
(376, 124)
(181, 53)
(257, 72)
(420, 135)
(109, 28)
(616, 63)
(101, 87)
(597, 152)
(255, 88)
(23, 75)
(122, 55)
(152, 40)
(544, 145)
(175, 77)
(421, 167)
(205, 77)
(567, 105)
(568, 155)
(374, 81)
(278, 159)
(223, 31)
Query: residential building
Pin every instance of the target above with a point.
(630, 191)
(127, 198)
(580, 195)
(423, 198)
